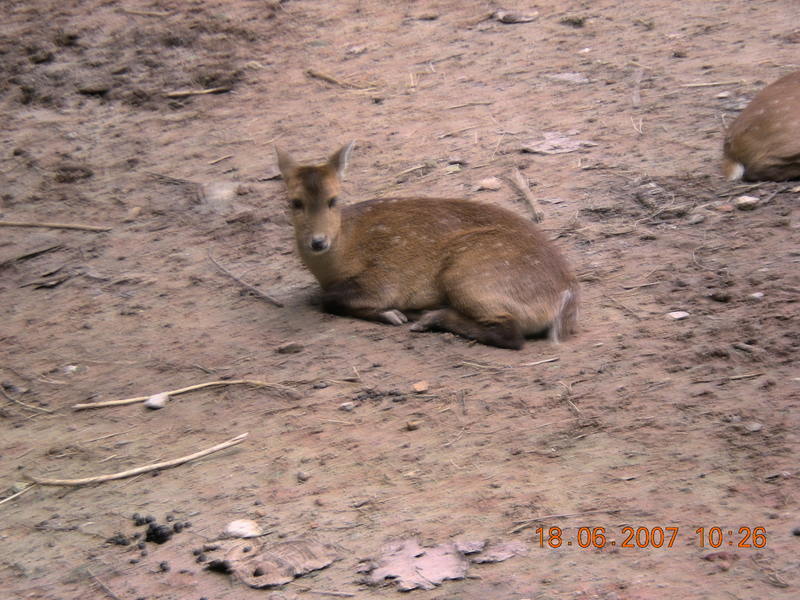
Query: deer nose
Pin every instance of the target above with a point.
(319, 243)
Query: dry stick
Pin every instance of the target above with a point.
(247, 286)
(21, 403)
(186, 93)
(219, 160)
(745, 376)
(527, 523)
(329, 79)
(540, 362)
(327, 593)
(626, 309)
(19, 493)
(191, 388)
(106, 589)
(636, 96)
(519, 183)
(469, 104)
(712, 83)
(146, 13)
(145, 469)
(53, 225)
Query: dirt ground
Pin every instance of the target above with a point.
(640, 421)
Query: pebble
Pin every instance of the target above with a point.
(696, 219)
(302, 476)
(678, 315)
(412, 425)
(756, 296)
(746, 202)
(420, 387)
(754, 427)
(347, 406)
(243, 528)
(157, 401)
(290, 348)
(490, 183)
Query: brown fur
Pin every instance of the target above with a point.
(763, 143)
(477, 270)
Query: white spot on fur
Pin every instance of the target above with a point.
(736, 172)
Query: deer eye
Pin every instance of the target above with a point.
(332, 202)
(297, 204)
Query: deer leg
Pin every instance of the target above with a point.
(501, 332)
(348, 298)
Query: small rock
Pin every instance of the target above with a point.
(720, 296)
(490, 183)
(290, 348)
(724, 95)
(420, 387)
(412, 425)
(157, 401)
(568, 77)
(302, 476)
(510, 18)
(95, 86)
(470, 547)
(756, 296)
(746, 202)
(724, 207)
(347, 406)
(678, 315)
(242, 528)
(163, 566)
(796, 531)
(696, 219)
(355, 50)
(753, 427)
(133, 214)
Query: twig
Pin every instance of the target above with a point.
(186, 93)
(191, 388)
(519, 183)
(469, 104)
(441, 136)
(745, 376)
(105, 437)
(146, 13)
(145, 469)
(520, 525)
(630, 311)
(636, 97)
(19, 493)
(219, 160)
(540, 362)
(641, 285)
(247, 286)
(21, 403)
(712, 83)
(53, 225)
(329, 79)
(99, 582)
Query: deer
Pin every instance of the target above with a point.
(474, 269)
(763, 142)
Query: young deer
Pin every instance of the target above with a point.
(764, 140)
(477, 270)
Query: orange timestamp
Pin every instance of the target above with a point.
(650, 537)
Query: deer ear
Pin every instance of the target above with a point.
(339, 159)
(286, 163)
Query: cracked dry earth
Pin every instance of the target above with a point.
(640, 421)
